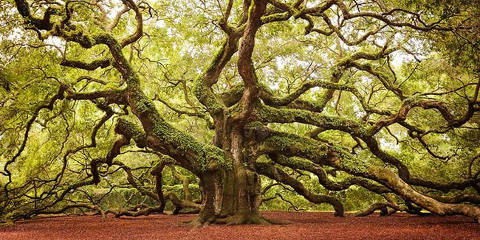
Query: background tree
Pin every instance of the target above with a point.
(310, 97)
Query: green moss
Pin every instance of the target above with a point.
(206, 97)
(295, 162)
(144, 106)
(254, 125)
(127, 128)
(201, 89)
(215, 154)
(183, 142)
(269, 114)
(292, 145)
(250, 8)
(272, 17)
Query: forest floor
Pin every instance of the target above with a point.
(304, 225)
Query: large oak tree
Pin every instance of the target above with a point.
(378, 94)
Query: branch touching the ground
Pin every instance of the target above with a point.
(277, 174)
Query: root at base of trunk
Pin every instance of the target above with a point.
(238, 219)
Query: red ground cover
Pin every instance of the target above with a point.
(304, 226)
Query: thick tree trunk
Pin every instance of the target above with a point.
(232, 196)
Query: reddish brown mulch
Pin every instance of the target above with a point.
(304, 226)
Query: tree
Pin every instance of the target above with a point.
(294, 87)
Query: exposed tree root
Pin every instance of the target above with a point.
(237, 219)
